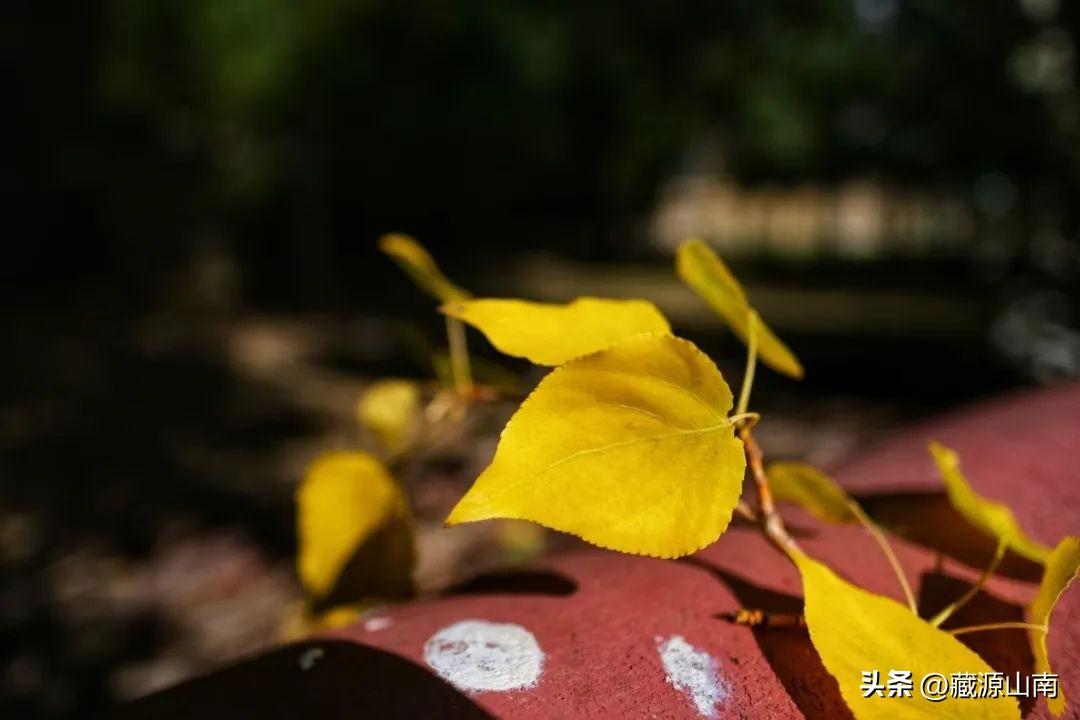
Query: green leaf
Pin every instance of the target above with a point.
(1061, 569)
(420, 267)
(993, 518)
(629, 448)
(550, 333)
(855, 631)
(707, 275)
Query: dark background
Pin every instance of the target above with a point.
(193, 293)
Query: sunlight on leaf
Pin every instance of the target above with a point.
(1061, 569)
(629, 448)
(991, 517)
(707, 275)
(811, 489)
(420, 267)
(855, 631)
(349, 509)
(551, 333)
(389, 409)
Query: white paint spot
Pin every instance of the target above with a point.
(479, 655)
(307, 660)
(377, 623)
(693, 672)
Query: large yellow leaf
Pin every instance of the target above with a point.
(708, 276)
(353, 527)
(420, 266)
(551, 333)
(855, 631)
(389, 408)
(1061, 569)
(810, 488)
(993, 518)
(629, 448)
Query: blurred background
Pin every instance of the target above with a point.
(195, 299)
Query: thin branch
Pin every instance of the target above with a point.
(745, 511)
(886, 548)
(997, 626)
(771, 522)
(763, 619)
(944, 615)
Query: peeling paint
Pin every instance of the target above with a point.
(693, 672)
(479, 656)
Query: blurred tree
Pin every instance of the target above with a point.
(291, 133)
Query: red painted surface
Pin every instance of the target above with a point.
(598, 615)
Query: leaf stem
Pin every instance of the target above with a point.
(944, 615)
(751, 365)
(886, 548)
(997, 626)
(459, 356)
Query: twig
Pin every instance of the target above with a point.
(771, 522)
(762, 619)
(745, 511)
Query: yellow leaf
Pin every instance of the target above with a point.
(707, 275)
(550, 333)
(1061, 569)
(353, 527)
(299, 621)
(420, 267)
(993, 518)
(389, 409)
(855, 631)
(810, 488)
(629, 448)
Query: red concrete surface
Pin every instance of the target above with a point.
(597, 615)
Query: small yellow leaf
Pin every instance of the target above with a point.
(389, 408)
(420, 266)
(855, 631)
(707, 275)
(810, 488)
(353, 527)
(629, 448)
(1061, 569)
(299, 621)
(993, 518)
(551, 333)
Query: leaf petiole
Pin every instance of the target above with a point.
(751, 364)
(459, 356)
(951, 608)
(997, 626)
